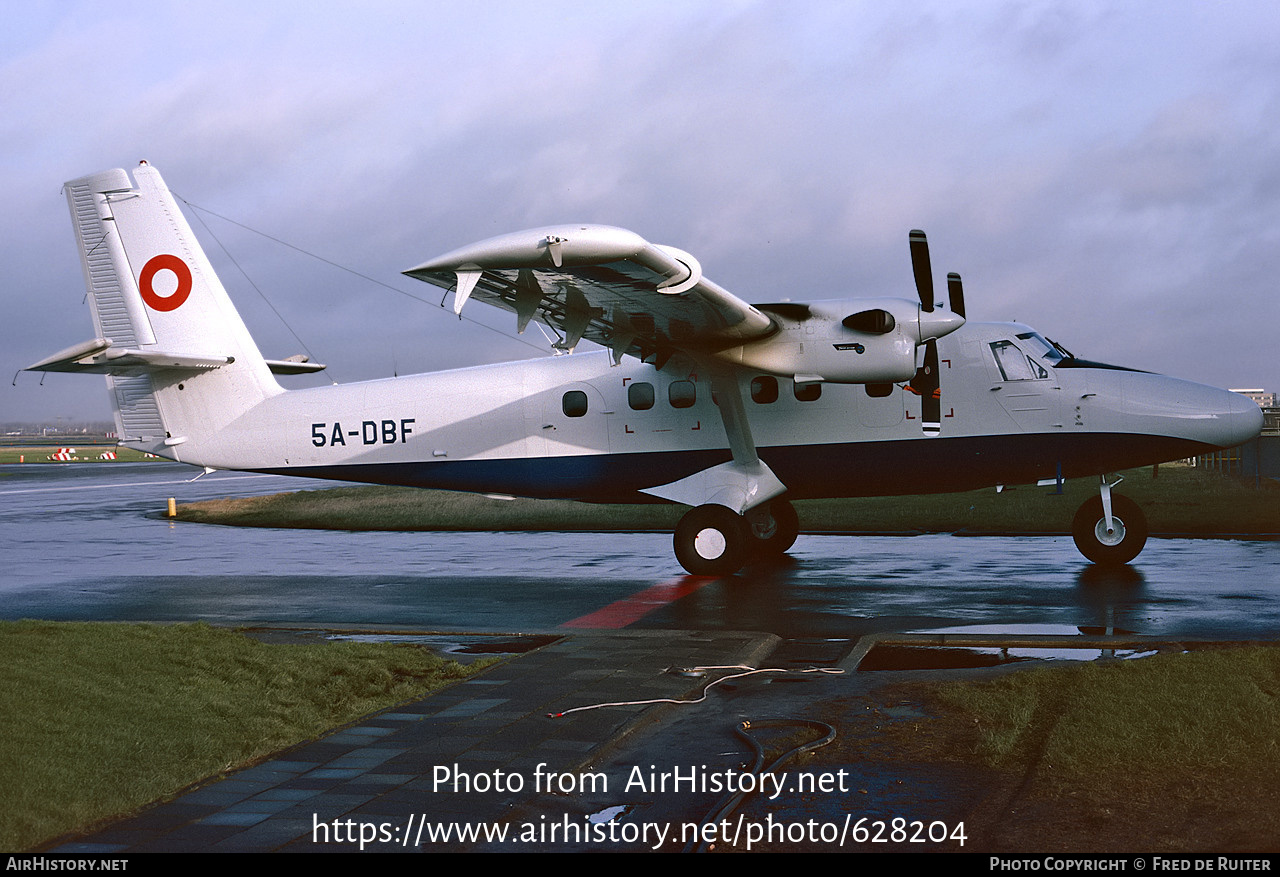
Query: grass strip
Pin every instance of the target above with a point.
(1178, 751)
(1136, 722)
(1181, 500)
(98, 719)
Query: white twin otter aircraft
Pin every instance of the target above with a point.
(699, 397)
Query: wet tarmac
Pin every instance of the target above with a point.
(88, 542)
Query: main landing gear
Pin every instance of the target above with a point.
(1109, 530)
(714, 540)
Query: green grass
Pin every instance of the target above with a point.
(407, 508)
(1180, 501)
(97, 720)
(1144, 724)
(1179, 752)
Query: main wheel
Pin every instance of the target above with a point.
(1122, 543)
(773, 528)
(712, 540)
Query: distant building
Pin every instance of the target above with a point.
(1262, 397)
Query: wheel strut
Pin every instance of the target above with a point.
(1105, 488)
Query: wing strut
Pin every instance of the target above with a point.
(741, 484)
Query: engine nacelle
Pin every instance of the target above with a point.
(854, 341)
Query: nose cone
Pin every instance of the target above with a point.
(1241, 421)
(1197, 412)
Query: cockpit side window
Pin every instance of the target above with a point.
(1016, 365)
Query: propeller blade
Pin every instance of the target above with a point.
(930, 388)
(955, 293)
(923, 270)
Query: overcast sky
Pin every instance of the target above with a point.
(1106, 172)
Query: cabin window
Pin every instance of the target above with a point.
(808, 392)
(640, 395)
(682, 394)
(574, 403)
(879, 391)
(764, 390)
(1014, 364)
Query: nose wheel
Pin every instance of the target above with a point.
(1112, 545)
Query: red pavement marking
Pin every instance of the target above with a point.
(631, 609)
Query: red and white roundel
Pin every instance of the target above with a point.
(174, 300)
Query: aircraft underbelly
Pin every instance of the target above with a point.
(872, 468)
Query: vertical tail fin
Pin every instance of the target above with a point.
(181, 364)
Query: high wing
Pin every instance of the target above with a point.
(605, 284)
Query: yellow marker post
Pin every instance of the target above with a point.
(173, 508)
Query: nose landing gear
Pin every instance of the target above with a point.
(1109, 530)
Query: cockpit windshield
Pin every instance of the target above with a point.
(1050, 351)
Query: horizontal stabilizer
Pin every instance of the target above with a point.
(100, 357)
(70, 356)
(292, 366)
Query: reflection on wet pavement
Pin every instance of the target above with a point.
(86, 542)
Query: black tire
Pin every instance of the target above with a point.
(1088, 529)
(779, 532)
(712, 540)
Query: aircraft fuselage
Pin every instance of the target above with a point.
(579, 427)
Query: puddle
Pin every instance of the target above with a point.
(458, 647)
(452, 645)
(902, 657)
(931, 658)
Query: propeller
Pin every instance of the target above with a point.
(955, 293)
(927, 384)
(921, 267)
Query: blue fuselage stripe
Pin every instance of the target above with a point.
(937, 465)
